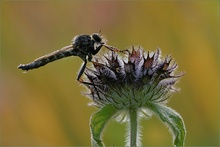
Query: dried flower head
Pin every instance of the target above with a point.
(136, 83)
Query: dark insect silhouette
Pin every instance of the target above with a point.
(84, 46)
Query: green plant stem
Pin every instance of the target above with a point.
(133, 127)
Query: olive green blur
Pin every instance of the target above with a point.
(45, 106)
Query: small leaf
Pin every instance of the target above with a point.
(98, 122)
(172, 120)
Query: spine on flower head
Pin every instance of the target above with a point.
(133, 80)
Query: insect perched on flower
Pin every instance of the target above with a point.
(84, 46)
(136, 83)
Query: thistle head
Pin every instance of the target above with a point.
(132, 81)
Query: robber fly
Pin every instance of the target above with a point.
(84, 46)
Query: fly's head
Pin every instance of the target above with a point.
(98, 39)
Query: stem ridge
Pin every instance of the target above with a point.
(133, 131)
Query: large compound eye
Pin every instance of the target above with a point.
(96, 37)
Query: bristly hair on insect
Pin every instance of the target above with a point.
(83, 46)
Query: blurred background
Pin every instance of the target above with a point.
(45, 107)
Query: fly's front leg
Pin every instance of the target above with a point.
(97, 49)
(115, 49)
(89, 57)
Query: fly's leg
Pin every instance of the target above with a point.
(92, 84)
(81, 70)
(97, 50)
(115, 49)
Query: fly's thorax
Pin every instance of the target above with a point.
(83, 43)
(88, 42)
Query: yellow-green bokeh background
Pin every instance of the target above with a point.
(45, 107)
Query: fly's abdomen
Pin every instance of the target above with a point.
(64, 52)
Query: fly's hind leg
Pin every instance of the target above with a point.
(86, 83)
(82, 70)
(92, 84)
